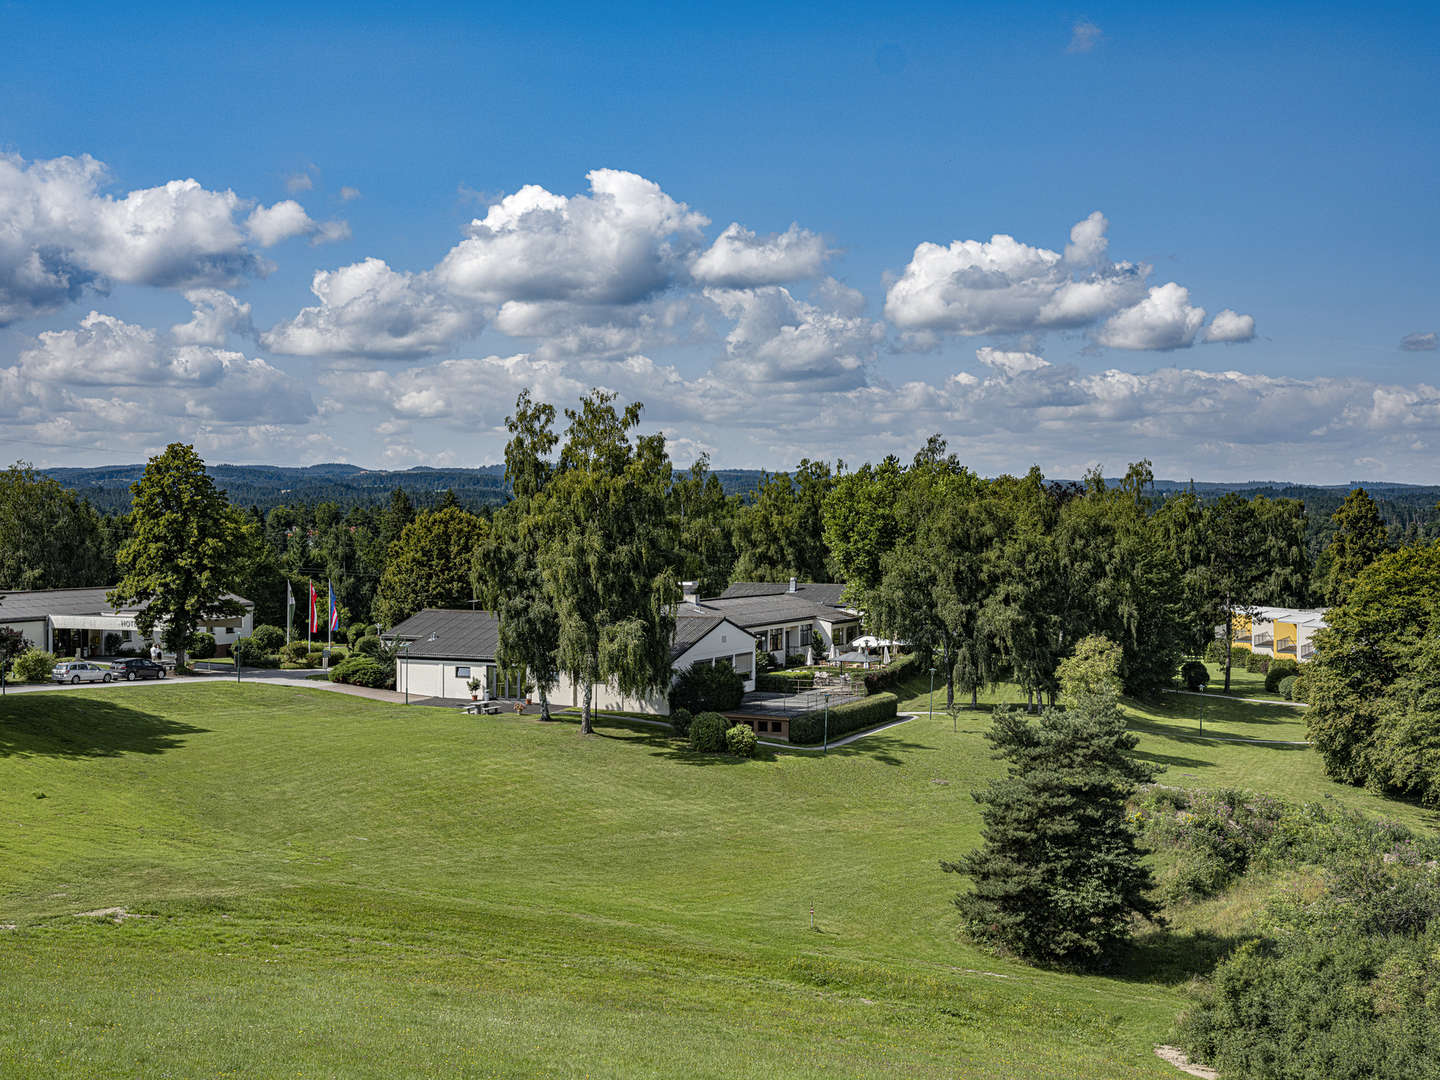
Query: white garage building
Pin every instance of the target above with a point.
(447, 648)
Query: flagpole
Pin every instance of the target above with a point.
(310, 619)
(329, 621)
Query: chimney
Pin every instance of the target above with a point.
(792, 584)
(690, 591)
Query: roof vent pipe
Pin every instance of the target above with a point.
(792, 584)
(690, 591)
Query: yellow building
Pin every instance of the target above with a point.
(1279, 632)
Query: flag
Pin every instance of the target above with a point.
(289, 610)
(314, 609)
(334, 608)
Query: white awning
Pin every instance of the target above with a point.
(93, 622)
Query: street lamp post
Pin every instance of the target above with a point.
(932, 691)
(825, 745)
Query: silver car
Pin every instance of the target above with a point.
(78, 671)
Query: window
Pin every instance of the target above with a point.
(777, 640)
(742, 664)
(462, 672)
(805, 635)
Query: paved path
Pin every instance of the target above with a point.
(1248, 700)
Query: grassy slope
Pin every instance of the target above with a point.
(345, 888)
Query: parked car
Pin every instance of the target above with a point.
(78, 671)
(136, 668)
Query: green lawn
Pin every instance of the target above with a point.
(332, 887)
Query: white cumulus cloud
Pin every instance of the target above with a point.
(740, 259)
(1229, 326)
(1165, 319)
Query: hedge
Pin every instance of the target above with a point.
(808, 728)
(1286, 687)
(707, 688)
(1257, 664)
(707, 733)
(783, 682)
(892, 674)
(1194, 674)
(362, 671)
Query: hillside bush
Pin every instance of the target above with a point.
(708, 688)
(363, 671)
(809, 728)
(1286, 687)
(202, 645)
(1212, 835)
(680, 722)
(740, 740)
(1281, 668)
(270, 639)
(33, 665)
(1194, 675)
(707, 733)
(892, 674)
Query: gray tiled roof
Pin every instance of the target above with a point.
(690, 627)
(748, 611)
(17, 606)
(826, 593)
(459, 634)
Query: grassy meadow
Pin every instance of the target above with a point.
(317, 885)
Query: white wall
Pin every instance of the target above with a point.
(438, 678)
(727, 641)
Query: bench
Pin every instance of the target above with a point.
(486, 708)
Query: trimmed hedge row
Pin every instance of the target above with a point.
(892, 674)
(808, 728)
(782, 682)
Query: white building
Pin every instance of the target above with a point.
(81, 622)
(447, 648)
(785, 618)
(1280, 632)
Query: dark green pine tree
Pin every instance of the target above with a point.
(1059, 876)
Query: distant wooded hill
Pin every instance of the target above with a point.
(1408, 508)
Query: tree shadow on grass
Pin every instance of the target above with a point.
(1193, 737)
(1169, 957)
(70, 726)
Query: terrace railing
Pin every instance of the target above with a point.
(1285, 645)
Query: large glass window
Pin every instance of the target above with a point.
(777, 640)
(805, 635)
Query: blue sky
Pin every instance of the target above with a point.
(1274, 168)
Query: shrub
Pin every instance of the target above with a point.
(1239, 655)
(33, 665)
(270, 639)
(809, 728)
(354, 632)
(370, 646)
(1257, 664)
(1300, 688)
(337, 654)
(784, 682)
(248, 653)
(202, 645)
(363, 671)
(892, 674)
(680, 722)
(296, 651)
(1286, 687)
(707, 733)
(1194, 674)
(1215, 652)
(1280, 668)
(708, 688)
(740, 740)
(113, 641)
(763, 660)
(794, 659)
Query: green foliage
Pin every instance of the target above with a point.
(1286, 687)
(250, 653)
(809, 728)
(1060, 876)
(1194, 675)
(202, 645)
(12, 644)
(354, 632)
(707, 733)
(1215, 652)
(706, 518)
(891, 675)
(1300, 688)
(680, 720)
(1093, 669)
(740, 740)
(1280, 668)
(364, 671)
(781, 532)
(429, 565)
(1239, 654)
(604, 555)
(1256, 663)
(337, 654)
(1212, 836)
(705, 687)
(370, 646)
(1361, 537)
(33, 665)
(50, 538)
(269, 639)
(1375, 701)
(297, 651)
(187, 553)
